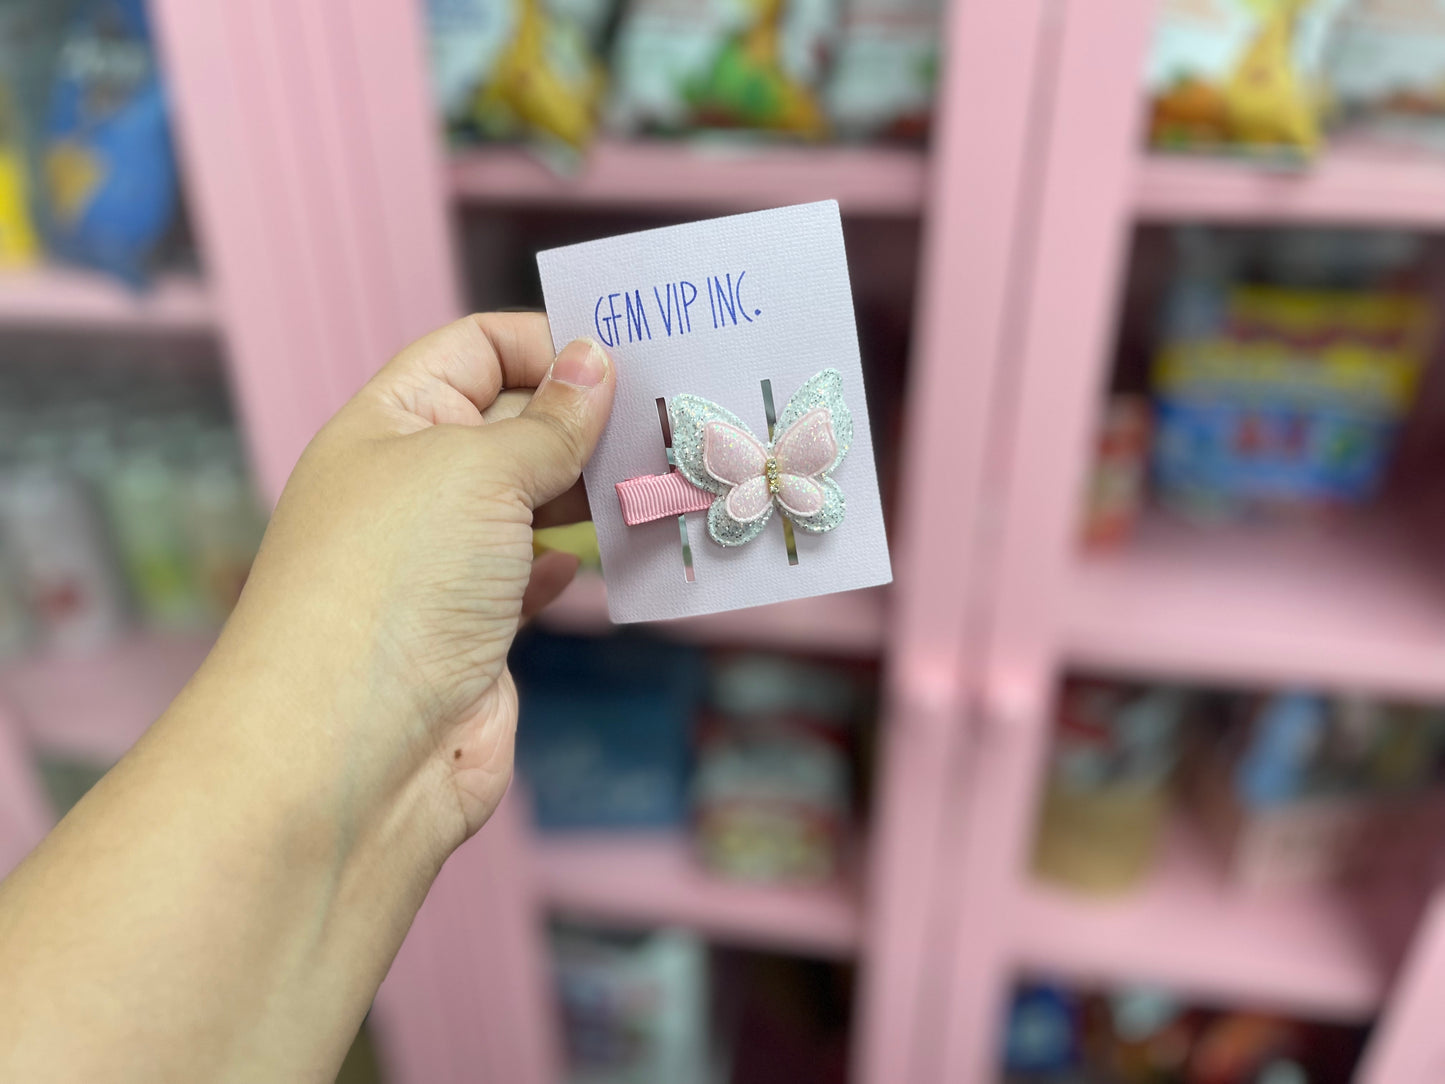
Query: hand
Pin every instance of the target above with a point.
(225, 902)
(398, 563)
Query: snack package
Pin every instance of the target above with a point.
(885, 65)
(634, 1006)
(1239, 73)
(1387, 68)
(752, 64)
(110, 181)
(18, 244)
(771, 792)
(509, 69)
(1116, 487)
(1293, 407)
(30, 32)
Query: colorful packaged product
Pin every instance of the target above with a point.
(512, 69)
(59, 556)
(1299, 791)
(19, 246)
(634, 1007)
(1293, 407)
(604, 739)
(110, 184)
(746, 64)
(885, 69)
(1116, 490)
(1245, 74)
(1387, 68)
(1107, 793)
(771, 793)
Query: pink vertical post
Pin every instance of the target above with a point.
(315, 175)
(1084, 170)
(978, 184)
(1406, 1046)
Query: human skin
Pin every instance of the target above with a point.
(223, 905)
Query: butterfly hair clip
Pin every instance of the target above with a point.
(740, 479)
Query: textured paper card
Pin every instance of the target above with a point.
(713, 309)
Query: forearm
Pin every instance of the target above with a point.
(222, 906)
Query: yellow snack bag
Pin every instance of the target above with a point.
(19, 246)
(547, 78)
(1240, 73)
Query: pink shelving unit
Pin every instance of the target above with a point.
(323, 199)
(1302, 953)
(1351, 185)
(1360, 606)
(96, 704)
(66, 298)
(699, 177)
(653, 879)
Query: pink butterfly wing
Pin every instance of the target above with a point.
(808, 446)
(750, 500)
(800, 496)
(732, 455)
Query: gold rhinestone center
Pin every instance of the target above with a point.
(770, 469)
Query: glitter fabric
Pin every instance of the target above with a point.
(715, 451)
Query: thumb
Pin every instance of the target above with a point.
(551, 439)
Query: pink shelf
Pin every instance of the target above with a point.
(694, 176)
(1187, 931)
(1347, 186)
(652, 880)
(57, 297)
(98, 704)
(852, 623)
(1355, 607)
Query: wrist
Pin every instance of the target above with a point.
(323, 757)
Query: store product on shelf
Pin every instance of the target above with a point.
(120, 490)
(109, 176)
(19, 244)
(604, 738)
(518, 68)
(1143, 1035)
(748, 64)
(1291, 405)
(59, 555)
(1300, 790)
(885, 69)
(1043, 1036)
(1121, 456)
(1240, 74)
(1387, 69)
(634, 1007)
(1107, 793)
(771, 795)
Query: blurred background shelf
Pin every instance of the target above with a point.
(652, 879)
(1352, 607)
(96, 705)
(67, 298)
(1187, 931)
(701, 178)
(1349, 185)
(852, 623)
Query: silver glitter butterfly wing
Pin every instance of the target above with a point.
(823, 390)
(689, 414)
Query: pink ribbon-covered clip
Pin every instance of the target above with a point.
(658, 496)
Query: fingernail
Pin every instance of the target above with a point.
(582, 363)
